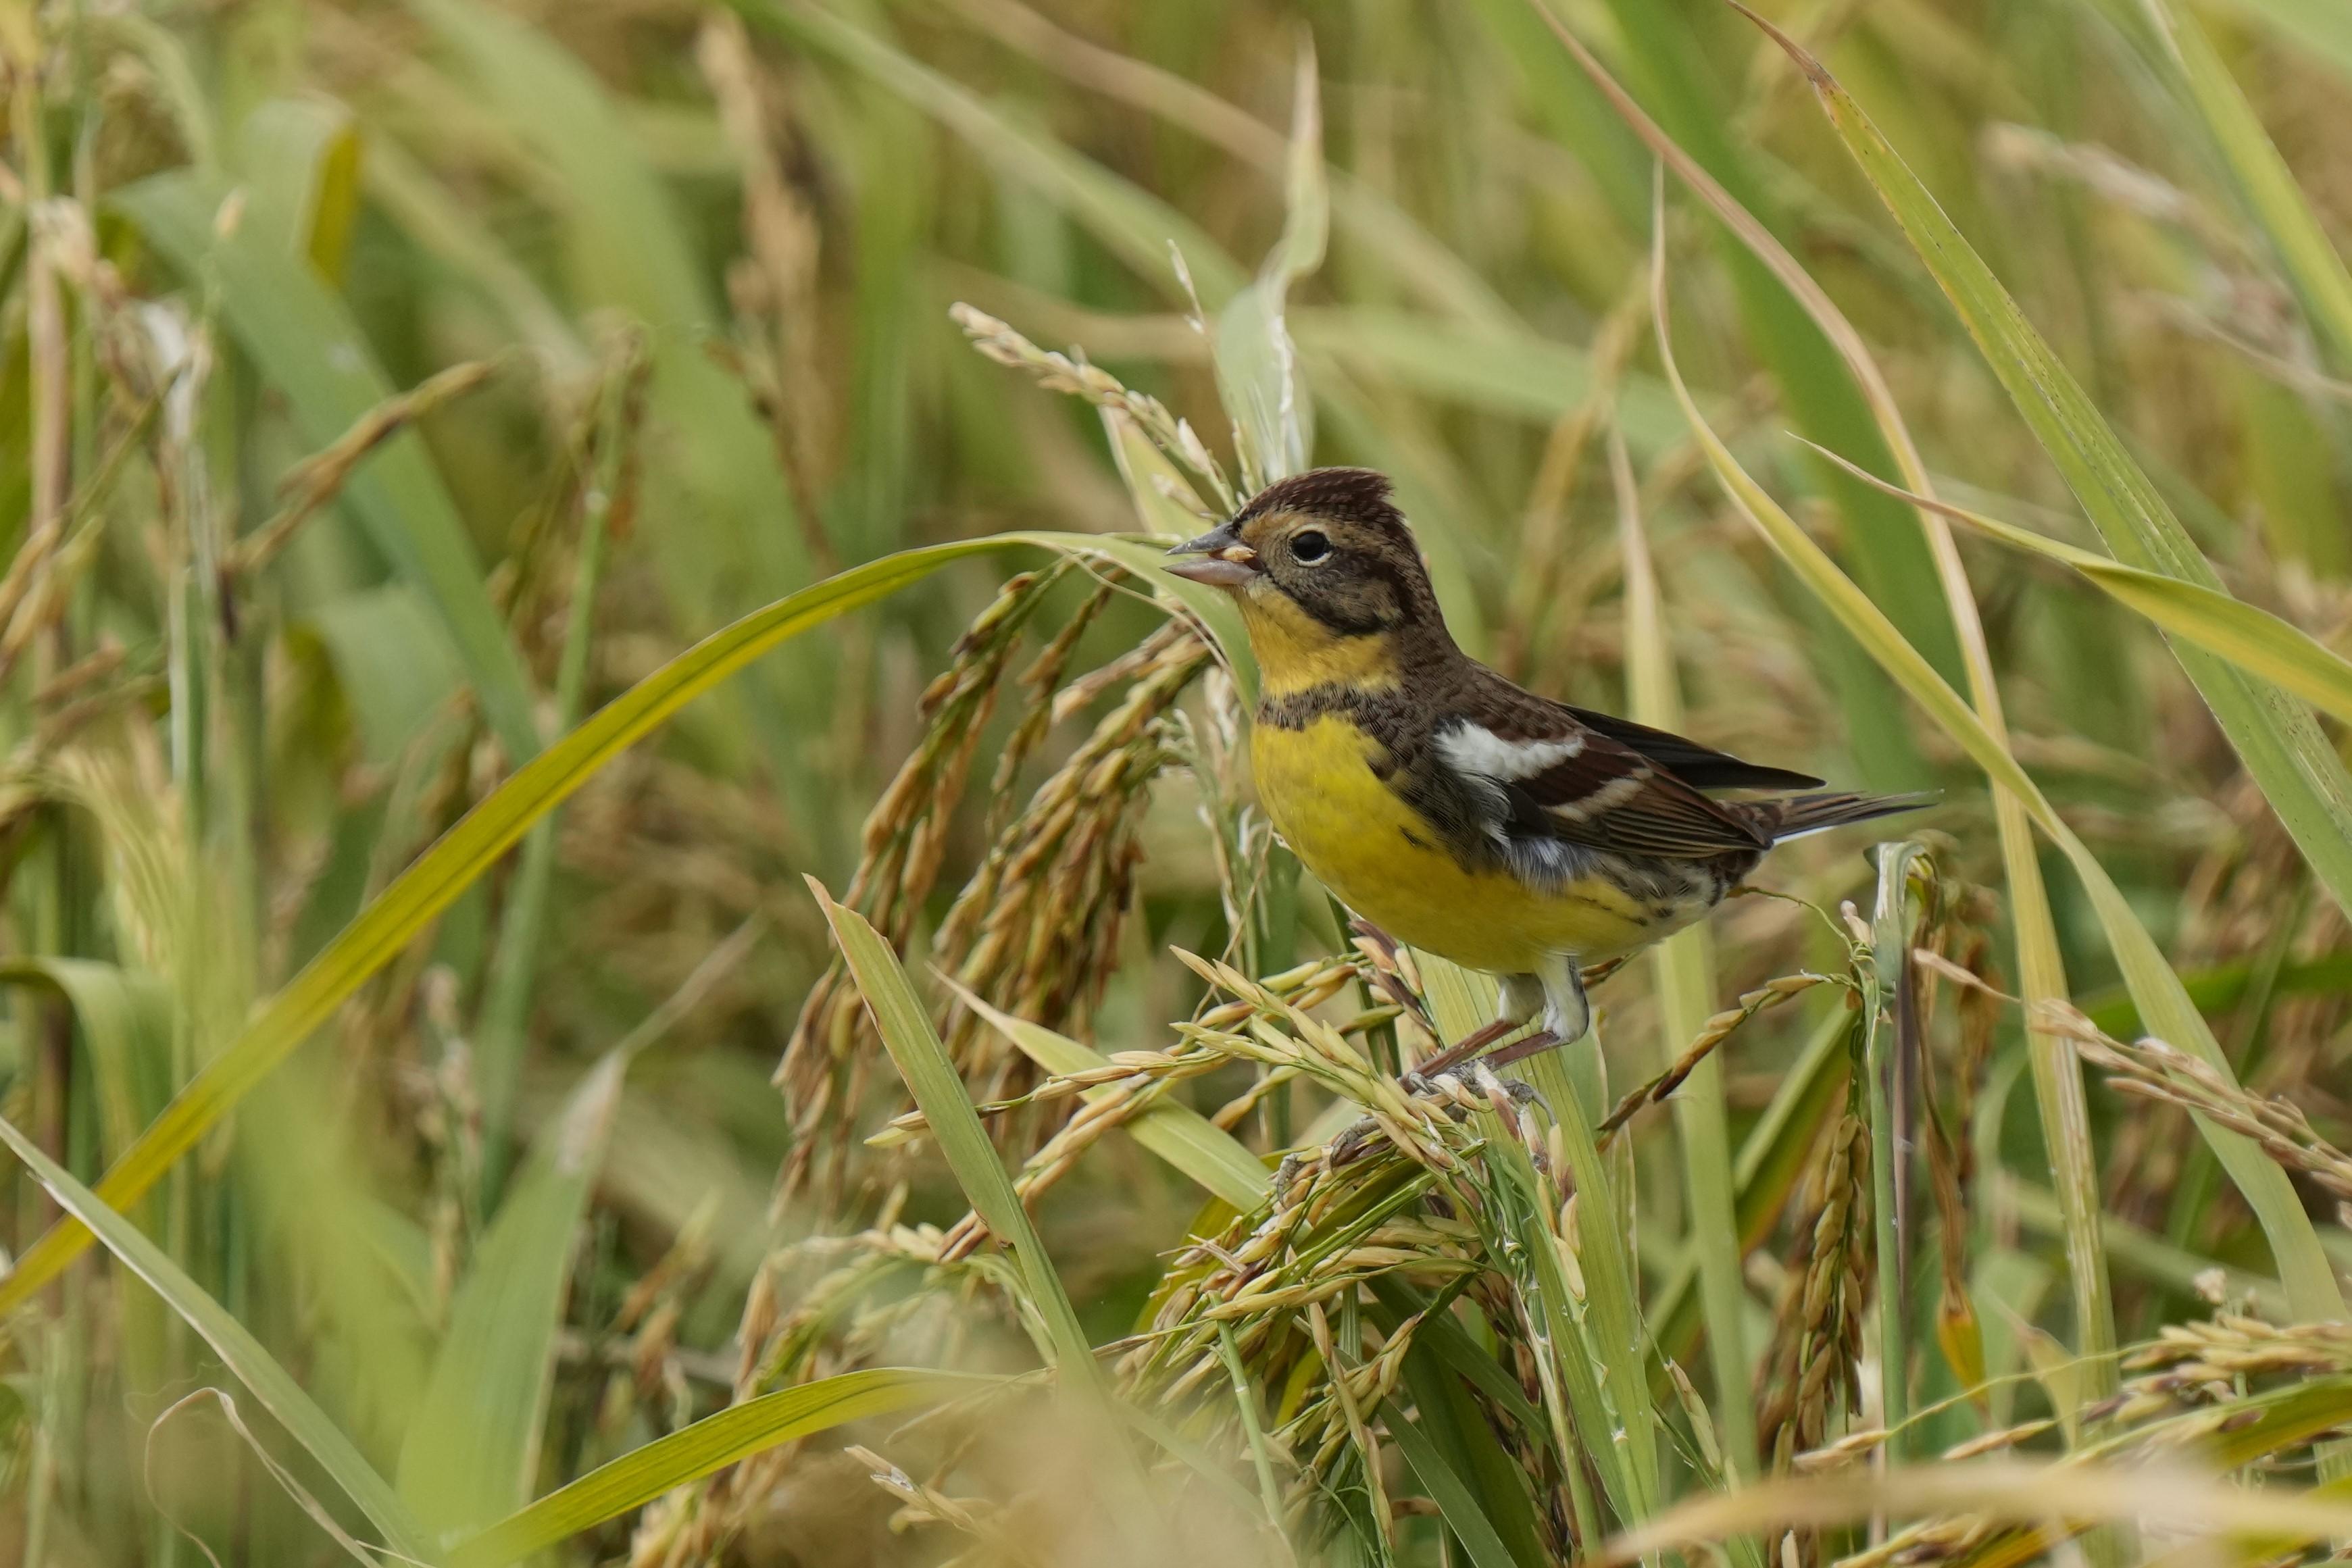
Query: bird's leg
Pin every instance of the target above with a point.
(1522, 995)
(1519, 1051)
(1566, 1013)
(1468, 1046)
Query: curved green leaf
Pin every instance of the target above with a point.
(2265, 184)
(308, 347)
(1683, 969)
(1258, 363)
(2299, 773)
(2163, 1001)
(462, 854)
(711, 1444)
(905, 1026)
(1175, 1131)
(2247, 636)
(1456, 1503)
(126, 1026)
(472, 1445)
(238, 1350)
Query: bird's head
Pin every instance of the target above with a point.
(1319, 560)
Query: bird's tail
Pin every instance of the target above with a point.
(1794, 816)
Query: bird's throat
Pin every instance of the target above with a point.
(1296, 652)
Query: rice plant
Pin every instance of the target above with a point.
(634, 924)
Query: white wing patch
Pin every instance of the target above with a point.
(1474, 748)
(1606, 798)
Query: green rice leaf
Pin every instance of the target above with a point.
(124, 1017)
(1456, 1504)
(1258, 376)
(2298, 772)
(2322, 31)
(1175, 1131)
(2265, 184)
(301, 163)
(2247, 636)
(905, 1026)
(2162, 1000)
(1682, 969)
(472, 1447)
(238, 1350)
(708, 1446)
(438, 877)
(306, 344)
(1661, 54)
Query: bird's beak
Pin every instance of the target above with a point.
(1226, 562)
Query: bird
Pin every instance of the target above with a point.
(1452, 808)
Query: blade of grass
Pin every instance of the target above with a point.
(905, 1026)
(1889, 1032)
(2057, 1076)
(1269, 1490)
(2324, 32)
(1682, 969)
(1193, 1144)
(306, 344)
(1456, 1504)
(238, 1350)
(2163, 1002)
(2298, 772)
(2221, 988)
(2265, 184)
(2247, 636)
(1887, 550)
(1440, 1371)
(1258, 377)
(707, 1445)
(390, 921)
(2140, 1252)
(1770, 1160)
(124, 1017)
(503, 1037)
(1135, 225)
(300, 160)
(472, 1445)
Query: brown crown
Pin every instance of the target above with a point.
(1349, 495)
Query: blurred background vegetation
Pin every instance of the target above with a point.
(388, 388)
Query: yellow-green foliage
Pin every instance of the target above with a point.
(632, 918)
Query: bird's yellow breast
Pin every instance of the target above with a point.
(1368, 845)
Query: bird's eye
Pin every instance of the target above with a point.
(1309, 544)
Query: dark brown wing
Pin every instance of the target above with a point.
(1561, 778)
(1689, 760)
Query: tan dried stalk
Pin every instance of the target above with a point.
(1035, 931)
(1059, 372)
(1711, 1034)
(2151, 1069)
(904, 841)
(2209, 1396)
